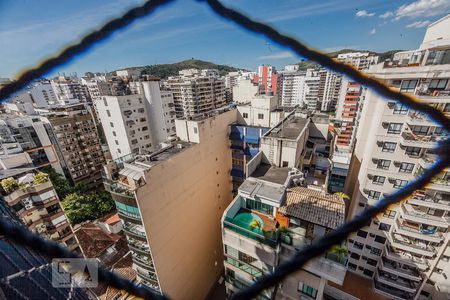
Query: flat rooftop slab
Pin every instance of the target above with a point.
(255, 188)
(290, 128)
(270, 173)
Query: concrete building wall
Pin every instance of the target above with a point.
(181, 207)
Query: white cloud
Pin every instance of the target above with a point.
(373, 31)
(278, 55)
(364, 13)
(418, 24)
(423, 8)
(386, 15)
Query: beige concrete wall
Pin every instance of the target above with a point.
(182, 204)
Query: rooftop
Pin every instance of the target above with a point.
(315, 207)
(270, 173)
(253, 187)
(14, 172)
(94, 241)
(124, 268)
(290, 128)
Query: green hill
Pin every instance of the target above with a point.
(306, 64)
(166, 70)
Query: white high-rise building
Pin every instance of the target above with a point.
(69, 90)
(139, 122)
(360, 60)
(196, 92)
(405, 251)
(292, 84)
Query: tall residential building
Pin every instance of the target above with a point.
(69, 90)
(31, 137)
(274, 215)
(267, 78)
(292, 84)
(408, 245)
(77, 143)
(195, 93)
(30, 196)
(139, 122)
(159, 197)
(244, 90)
(311, 90)
(329, 88)
(360, 60)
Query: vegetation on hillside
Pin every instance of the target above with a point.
(306, 64)
(166, 70)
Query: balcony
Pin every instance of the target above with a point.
(135, 231)
(138, 247)
(440, 184)
(397, 282)
(397, 269)
(247, 268)
(409, 213)
(418, 232)
(419, 118)
(422, 199)
(251, 224)
(392, 293)
(406, 258)
(413, 140)
(409, 245)
(114, 188)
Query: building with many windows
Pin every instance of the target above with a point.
(195, 93)
(404, 251)
(159, 197)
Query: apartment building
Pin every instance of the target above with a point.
(69, 90)
(77, 143)
(267, 78)
(404, 251)
(30, 137)
(329, 88)
(274, 214)
(348, 113)
(30, 196)
(244, 90)
(311, 90)
(291, 85)
(159, 197)
(196, 94)
(359, 60)
(17, 260)
(139, 122)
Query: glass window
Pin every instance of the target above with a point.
(195, 130)
(384, 227)
(245, 115)
(307, 290)
(351, 266)
(408, 85)
(375, 251)
(400, 183)
(389, 213)
(379, 180)
(259, 206)
(260, 116)
(108, 113)
(413, 151)
(420, 130)
(355, 255)
(406, 167)
(367, 272)
(380, 239)
(373, 195)
(438, 84)
(400, 109)
(389, 147)
(383, 164)
(394, 128)
(358, 245)
(371, 262)
(111, 124)
(362, 233)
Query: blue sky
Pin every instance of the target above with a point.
(31, 30)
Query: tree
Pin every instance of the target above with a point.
(60, 183)
(40, 178)
(91, 206)
(9, 185)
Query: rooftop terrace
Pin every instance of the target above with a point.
(270, 173)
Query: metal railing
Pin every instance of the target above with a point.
(21, 235)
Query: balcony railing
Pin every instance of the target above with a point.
(419, 233)
(400, 283)
(425, 200)
(419, 216)
(408, 272)
(406, 258)
(252, 270)
(113, 187)
(268, 238)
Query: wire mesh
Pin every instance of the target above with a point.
(54, 250)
